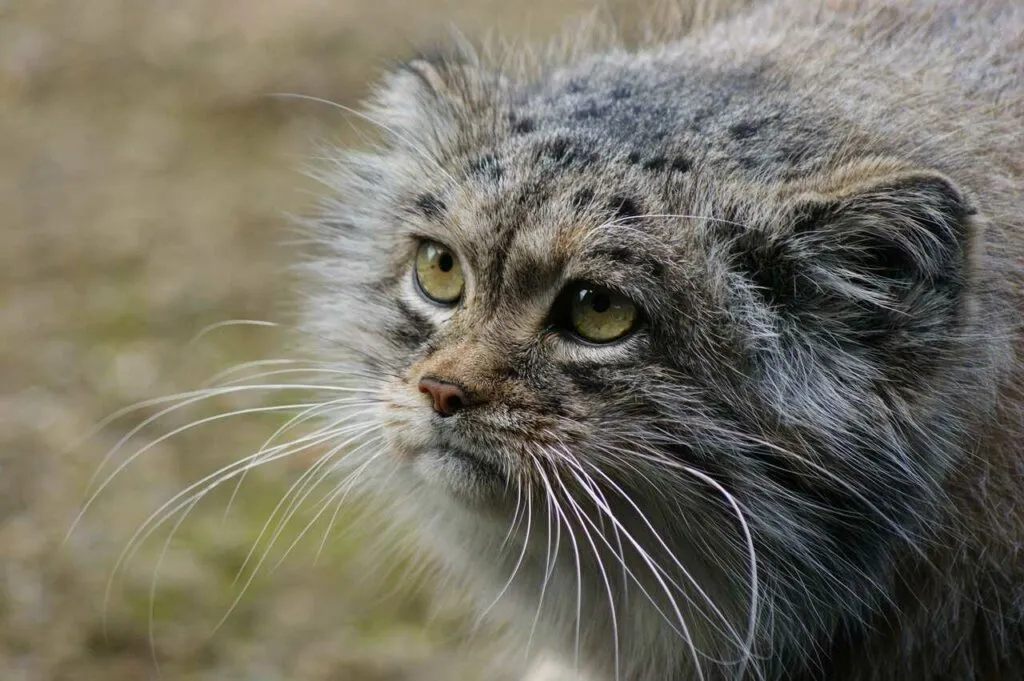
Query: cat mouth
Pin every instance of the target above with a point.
(461, 472)
(472, 463)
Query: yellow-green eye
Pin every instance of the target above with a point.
(438, 273)
(600, 315)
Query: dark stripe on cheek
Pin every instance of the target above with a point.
(412, 330)
(586, 380)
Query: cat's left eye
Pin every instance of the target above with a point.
(438, 273)
(595, 313)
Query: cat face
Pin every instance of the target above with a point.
(699, 370)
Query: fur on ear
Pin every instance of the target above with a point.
(874, 256)
(882, 240)
(422, 100)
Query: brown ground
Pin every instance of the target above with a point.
(144, 179)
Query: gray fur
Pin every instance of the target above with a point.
(818, 207)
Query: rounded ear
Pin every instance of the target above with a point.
(886, 241)
(877, 257)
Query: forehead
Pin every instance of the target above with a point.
(531, 213)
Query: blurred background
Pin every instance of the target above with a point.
(145, 180)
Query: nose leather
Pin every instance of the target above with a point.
(448, 398)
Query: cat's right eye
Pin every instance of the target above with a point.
(594, 313)
(438, 273)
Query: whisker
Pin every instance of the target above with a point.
(515, 569)
(584, 520)
(307, 415)
(84, 507)
(731, 632)
(369, 119)
(343, 490)
(325, 371)
(185, 399)
(657, 572)
(198, 489)
(334, 430)
(273, 538)
(230, 322)
(350, 481)
(560, 517)
(551, 555)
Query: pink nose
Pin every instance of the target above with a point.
(448, 398)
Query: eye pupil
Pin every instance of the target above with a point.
(446, 262)
(601, 302)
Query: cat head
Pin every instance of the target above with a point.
(550, 289)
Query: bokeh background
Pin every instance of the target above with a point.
(146, 176)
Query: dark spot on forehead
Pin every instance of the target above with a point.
(486, 166)
(681, 164)
(575, 86)
(623, 207)
(749, 162)
(430, 206)
(562, 152)
(655, 163)
(744, 130)
(634, 157)
(499, 252)
(621, 92)
(521, 126)
(616, 253)
(583, 198)
(588, 111)
(532, 194)
(411, 330)
(636, 259)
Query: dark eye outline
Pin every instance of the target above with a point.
(560, 318)
(416, 273)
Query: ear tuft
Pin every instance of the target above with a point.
(434, 74)
(423, 100)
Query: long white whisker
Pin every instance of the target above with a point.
(198, 489)
(410, 143)
(324, 506)
(192, 424)
(343, 491)
(560, 517)
(515, 569)
(186, 399)
(550, 558)
(230, 322)
(657, 536)
(584, 521)
(282, 523)
(657, 572)
(303, 416)
(360, 428)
